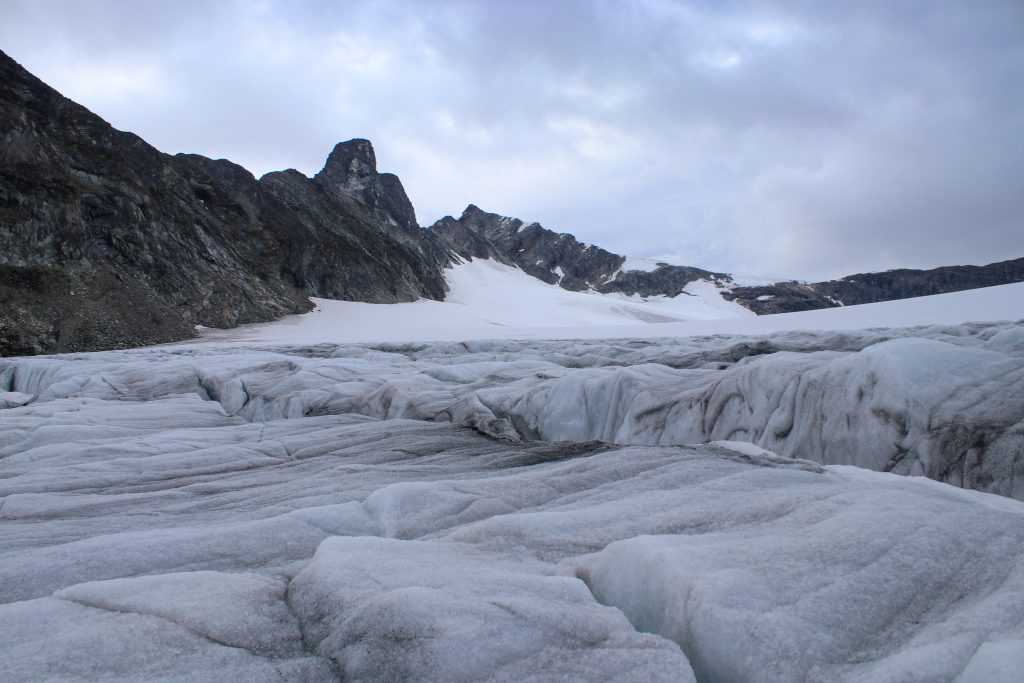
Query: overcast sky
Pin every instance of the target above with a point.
(798, 139)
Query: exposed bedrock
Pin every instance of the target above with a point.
(942, 402)
(558, 258)
(869, 288)
(106, 242)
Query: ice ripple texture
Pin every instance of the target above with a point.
(345, 512)
(945, 402)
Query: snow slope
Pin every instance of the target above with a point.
(489, 300)
(644, 265)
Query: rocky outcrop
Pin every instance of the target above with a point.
(350, 233)
(351, 169)
(106, 242)
(867, 288)
(558, 258)
(555, 258)
(665, 280)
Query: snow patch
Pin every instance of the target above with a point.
(643, 265)
(488, 299)
(745, 448)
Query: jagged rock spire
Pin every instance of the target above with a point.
(351, 169)
(349, 163)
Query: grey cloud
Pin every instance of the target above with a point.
(802, 139)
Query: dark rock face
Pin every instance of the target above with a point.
(353, 238)
(666, 280)
(351, 169)
(866, 288)
(781, 297)
(542, 253)
(537, 251)
(106, 242)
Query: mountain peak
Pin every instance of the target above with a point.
(351, 170)
(349, 161)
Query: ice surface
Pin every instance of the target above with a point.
(54, 639)
(998, 662)
(13, 399)
(836, 591)
(946, 402)
(315, 547)
(384, 609)
(242, 610)
(262, 510)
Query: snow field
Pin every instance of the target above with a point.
(488, 300)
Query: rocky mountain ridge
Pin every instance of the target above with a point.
(106, 242)
(869, 288)
(559, 258)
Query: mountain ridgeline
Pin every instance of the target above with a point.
(559, 258)
(106, 242)
(870, 288)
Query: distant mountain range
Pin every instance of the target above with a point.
(869, 288)
(106, 242)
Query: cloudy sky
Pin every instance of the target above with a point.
(800, 139)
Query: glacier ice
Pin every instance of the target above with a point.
(671, 509)
(946, 402)
(387, 609)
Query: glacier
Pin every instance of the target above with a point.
(797, 505)
(189, 544)
(946, 402)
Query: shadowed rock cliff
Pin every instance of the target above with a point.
(559, 258)
(106, 242)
